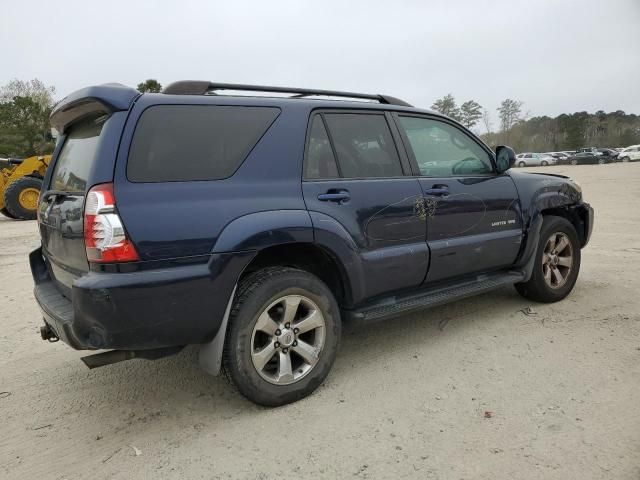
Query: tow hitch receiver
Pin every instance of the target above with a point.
(48, 334)
(115, 356)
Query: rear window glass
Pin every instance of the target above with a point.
(364, 145)
(195, 142)
(72, 167)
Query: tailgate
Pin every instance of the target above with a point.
(62, 204)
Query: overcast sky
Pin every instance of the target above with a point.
(554, 55)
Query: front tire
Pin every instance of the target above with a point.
(284, 331)
(545, 163)
(21, 198)
(522, 164)
(557, 262)
(625, 159)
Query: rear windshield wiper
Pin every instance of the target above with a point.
(58, 194)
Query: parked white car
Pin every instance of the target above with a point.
(558, 156)
(534, 160)
(630, 154)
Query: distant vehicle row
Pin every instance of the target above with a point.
(586, 155)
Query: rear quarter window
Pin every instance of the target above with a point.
(195, 142)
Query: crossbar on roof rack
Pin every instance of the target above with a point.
(198, 87)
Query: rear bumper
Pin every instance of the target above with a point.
(172, 304)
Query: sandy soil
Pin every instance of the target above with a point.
(406, 399)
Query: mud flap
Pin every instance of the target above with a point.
(210, 355)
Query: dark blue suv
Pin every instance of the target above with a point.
(255, 225)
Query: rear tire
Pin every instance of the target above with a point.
(555, 269)
(574, 162)
(545, 163)
(601, 161)
(269, 305)
(21, 198)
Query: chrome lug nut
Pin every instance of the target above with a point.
(277, 344)
(295, 344)
(296, 330)
(285, 350)
(278, 332)
(287, 325)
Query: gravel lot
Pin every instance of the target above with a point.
(406, 398)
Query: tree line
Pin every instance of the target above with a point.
(25, 107)
(544, 134)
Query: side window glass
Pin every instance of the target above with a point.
(442, 150)
(364, 145)
(320, 161)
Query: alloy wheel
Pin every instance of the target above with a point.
(287, 339)
(557, 260)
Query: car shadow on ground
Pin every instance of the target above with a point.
(130, 395)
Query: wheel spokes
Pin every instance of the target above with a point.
(551, 244)
(285, 374)
(546, 270)
(262, 357)
(562, 244)
(266, 324)
(557, 276)
(565, 261)
(310, 322)
(291, 304)
(307, 352)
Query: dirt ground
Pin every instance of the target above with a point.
(406, 399)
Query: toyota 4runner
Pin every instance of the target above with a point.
(255, 225)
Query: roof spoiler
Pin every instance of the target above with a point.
(108, 98)
(199, 87)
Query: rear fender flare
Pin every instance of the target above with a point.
(259, 230)
(334, 238)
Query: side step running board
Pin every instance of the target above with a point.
(392, 306)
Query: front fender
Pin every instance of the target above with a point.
(539, 193)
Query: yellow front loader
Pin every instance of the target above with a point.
(20, 185)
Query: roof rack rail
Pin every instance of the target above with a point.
(199, 87)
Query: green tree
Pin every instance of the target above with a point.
(447, 106)
(470, 113)
(25, 107)
(24, 128)
(149, 86)
(34, 89)
(509, 111)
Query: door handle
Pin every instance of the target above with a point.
(437, 191)
(338, 196)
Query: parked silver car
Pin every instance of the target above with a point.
(534, 160)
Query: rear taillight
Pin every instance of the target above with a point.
(104, 237)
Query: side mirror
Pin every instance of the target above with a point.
(505, 158)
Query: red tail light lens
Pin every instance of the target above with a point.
(104, 237)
